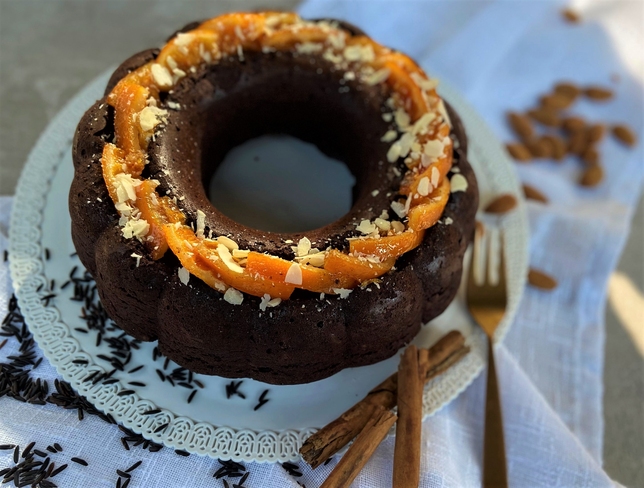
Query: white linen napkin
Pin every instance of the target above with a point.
(501, 55)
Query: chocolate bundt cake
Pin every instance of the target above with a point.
(224, 299)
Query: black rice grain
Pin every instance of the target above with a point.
(79, 461)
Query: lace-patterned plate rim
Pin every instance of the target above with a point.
(57, 340)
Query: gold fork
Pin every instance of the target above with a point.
(486, 303)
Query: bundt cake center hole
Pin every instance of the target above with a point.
(280, 183)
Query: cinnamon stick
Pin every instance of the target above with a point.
(361, 450)
(410, 418)
(330, 439)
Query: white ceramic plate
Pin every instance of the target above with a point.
(212, 424)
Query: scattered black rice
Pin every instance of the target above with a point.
(161, 427)
(182, 453)
(134, 466)
(292, 469)
(29, 471)
(79, 461)
(232, 389)
(57, 446)
(262, 400)
(230, 469)
(125, 392)
(47, 254)
(6, 447)
(51, 449)
(192, 396)
(136, 383)
(154, 411)
(123, 474)
(6, 256)
(134, 370)
(58, 470)
(328, 461)
(137, 440)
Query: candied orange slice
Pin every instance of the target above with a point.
(130, 99)
(112, 163)
(157, 211)
(181, 245)
(388, 246)
(314, 279)
(189, 49)
(286, 39)
(401, 82)
(359, 268)
(427, 213)
(207, 262)
(236, 29)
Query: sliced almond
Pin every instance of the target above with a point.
(568, 89)
(571, 16)
(545, 116)
(501, 204)
(531, 193)
(541, 280)
(624, 134)
(592, 176)
(573, 124)
(595, 132)
(598, 93)
(521, 125)
(519, 151)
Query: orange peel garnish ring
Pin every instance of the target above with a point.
(155, 204)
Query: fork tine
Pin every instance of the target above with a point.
(475, 258)
(502, 269)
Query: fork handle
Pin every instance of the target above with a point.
(495, 473)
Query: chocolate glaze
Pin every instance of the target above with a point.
(303, 339)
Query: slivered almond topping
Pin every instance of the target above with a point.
(161, 76)
(227, 258)
(294, 275)
(424, 186)
(397, 227)
(342, 292)
(240, 253)
(382, 224)
(184, 275)
(234, 297)
(228, 242)
(201, 223)
(366, 227)
(457, 183)
(303, 246)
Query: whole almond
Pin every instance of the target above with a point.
(518, 151)
(568, 89)
(501, 204)
(538, 148)
(539, 279)
(624, 134)
(521, 125)
(590, 156)
(557, 146)
(556, 101)
(592, 176)
(598, 93)
(545, 116)
(573, 124)
(577, 143)
(571, 16)
(595, 132)
(531, 193)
